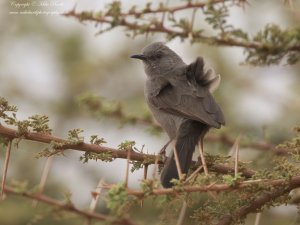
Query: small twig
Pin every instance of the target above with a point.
(257, 218)
(236, 158)
(254, 181)
(193, 174)
(44, 178)
(182, 213)
(127, 167)
(145, 171)
(178, 164)
(56, 203)
(293, 182)
(164, 14)
(212, 184)
(96, 195)
(5, 168)
(200, 147)
(193, 19)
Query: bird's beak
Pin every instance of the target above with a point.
(138, 56)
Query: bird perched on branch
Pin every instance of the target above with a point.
(180, 99)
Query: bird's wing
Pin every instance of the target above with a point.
(204, 77)
(180, 99)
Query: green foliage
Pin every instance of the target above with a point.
(228, 203)
(105, 156)
(178, 184)
(6, 110)
(213, 209)
(170, 208)
(73, 136)
(285, 168)
(216, 16)
(293, 145)
(126, 145)
(232, 180)
(57, 147)
(36, 123)
(114, 11)
(148, 185)
(54, 148)
(68, 198)
(3, 141)
(275, 45)
(97, 141)
(40, 124)
(184, 25)
(19, 186)
(136, 165)
(117, 200)
(99, 108)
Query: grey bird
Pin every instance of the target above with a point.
(180, 99)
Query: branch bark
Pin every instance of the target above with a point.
(290, 184)
(45, 138)
(158, 28)
(123, 154)
(67, 207)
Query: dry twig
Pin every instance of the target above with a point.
(5, 168)
(44, 177)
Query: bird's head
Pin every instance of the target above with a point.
(158, 59)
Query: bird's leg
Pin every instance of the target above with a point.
(200, 146)
(163, 150)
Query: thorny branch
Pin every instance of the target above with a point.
(171, 9)
(262, 49)
(120, 194)
(142, 157)
(66, 206)
(292, 183)
(45, 138)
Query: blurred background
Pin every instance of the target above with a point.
(47, 61)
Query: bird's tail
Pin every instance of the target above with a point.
(189, 134)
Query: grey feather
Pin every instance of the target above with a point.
(180, 99)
